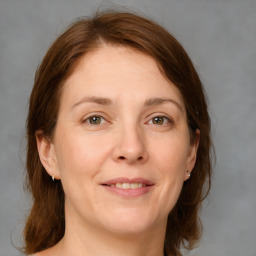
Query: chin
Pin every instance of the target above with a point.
(130, 222)
(129, 229)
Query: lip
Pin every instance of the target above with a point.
(128, 193)
(127, 180)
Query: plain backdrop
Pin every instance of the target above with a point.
(220, 38)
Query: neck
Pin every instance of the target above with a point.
(82, 239)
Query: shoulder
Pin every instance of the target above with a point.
(48, 252)
(38, 254)
(43, 253)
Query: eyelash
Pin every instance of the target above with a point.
(166, 120)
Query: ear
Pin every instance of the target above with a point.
(47, 154)
(191, 160)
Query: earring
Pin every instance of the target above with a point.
(189, 174)
(52, 177)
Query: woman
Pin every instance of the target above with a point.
(117, 123)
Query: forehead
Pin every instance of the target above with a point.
(117, 60)
(115, 72)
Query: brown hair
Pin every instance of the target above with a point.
(45, 225)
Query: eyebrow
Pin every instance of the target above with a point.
(97, 100)
(160, 101)
(106, 102)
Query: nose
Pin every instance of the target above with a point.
(130, 146)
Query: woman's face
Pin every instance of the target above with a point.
(121, 147)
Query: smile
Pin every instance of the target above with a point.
(128, 185)
(128, 188)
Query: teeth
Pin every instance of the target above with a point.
(128, 185)
(134, 185)
(119, 185)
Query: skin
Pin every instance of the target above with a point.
(127, 138)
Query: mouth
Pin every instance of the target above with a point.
(128, 187)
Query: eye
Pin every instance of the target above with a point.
(160, 120)
(94, 120)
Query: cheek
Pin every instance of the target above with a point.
(80, 155)
(170, 154)
(78, 162)
(169, 159)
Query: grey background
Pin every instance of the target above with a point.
(219, 36)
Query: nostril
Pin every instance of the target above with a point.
(131, 159)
